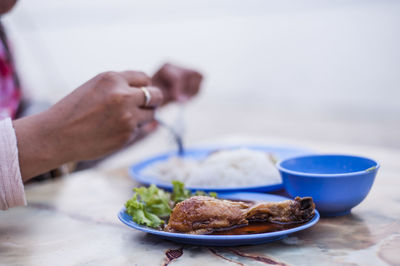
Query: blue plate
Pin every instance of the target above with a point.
(224, 240)
(280, 152)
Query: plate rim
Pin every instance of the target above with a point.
(148, 180)
(149, 230)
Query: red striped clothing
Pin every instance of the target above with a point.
(10, 92)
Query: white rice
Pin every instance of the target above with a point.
(226, 168)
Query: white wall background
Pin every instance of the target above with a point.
(331, 68)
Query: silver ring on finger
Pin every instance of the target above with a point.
(147, 96)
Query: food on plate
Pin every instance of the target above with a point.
(152, 206)
(299, 210)
(224, 168)
(200, 213)
(203, 215)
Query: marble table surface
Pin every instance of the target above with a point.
(73, 221)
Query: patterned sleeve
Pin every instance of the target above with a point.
(11, 187)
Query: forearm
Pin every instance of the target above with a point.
(39, 145)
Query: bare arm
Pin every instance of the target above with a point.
(37, 145)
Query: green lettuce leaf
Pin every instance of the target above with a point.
(156, 200)
(213, 194)
(150, 205)
(179, 193)
(140, 215)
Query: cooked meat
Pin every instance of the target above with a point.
(202, 215)
(289, 211)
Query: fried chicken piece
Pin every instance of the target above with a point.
(202, 215)
(298, 210)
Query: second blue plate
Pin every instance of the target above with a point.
(280, 152)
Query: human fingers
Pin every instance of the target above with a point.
(174, 79)
(193, 84)
(148, 97)
(136, 78)
(142, 132)
(144, 116)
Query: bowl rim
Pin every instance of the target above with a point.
(282, 169)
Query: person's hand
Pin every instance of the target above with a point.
(177, 83)
(96, 119)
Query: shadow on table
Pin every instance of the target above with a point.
(346, 232)
(328, 236)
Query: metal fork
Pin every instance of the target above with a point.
(175, 134)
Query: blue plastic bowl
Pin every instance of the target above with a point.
(337, 183)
